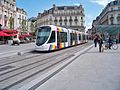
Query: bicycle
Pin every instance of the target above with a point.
(113, 45)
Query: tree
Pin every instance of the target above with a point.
(11, 21)
(32, 26)
(24, 25)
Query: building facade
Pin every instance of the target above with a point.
(31, 25)
(110, 14)
(10, 16)
(65, 16)
(8, 13)
(108, 22)
(21, 20)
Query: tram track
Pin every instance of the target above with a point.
(28, 67)
(11, 60)
(33, 58)
(38, 66)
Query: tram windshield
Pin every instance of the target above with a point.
(42, 35)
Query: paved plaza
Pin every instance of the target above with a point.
(90, 71)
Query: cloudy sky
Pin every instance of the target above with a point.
(92, 7)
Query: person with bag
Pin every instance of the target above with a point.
(110, 41)
(100, 41)
(95, 40)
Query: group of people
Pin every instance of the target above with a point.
(99, 39)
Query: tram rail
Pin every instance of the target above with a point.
(38, 65)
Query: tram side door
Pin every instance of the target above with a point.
(75, 36)
(71, 38)
(58, 39)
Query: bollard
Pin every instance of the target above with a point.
(19, 53)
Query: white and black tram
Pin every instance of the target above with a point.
(50, 37)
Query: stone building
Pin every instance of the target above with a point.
(31, 25)
(108, 21)
(21, 20)
(110, 14)
(66, 16)
(10, 16)
(8, 13)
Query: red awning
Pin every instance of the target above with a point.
(27, 35)
(10, 31)
(3, 34)
(21, 36)
(12, 34)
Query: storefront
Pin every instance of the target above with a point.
(25, 38)
(3, 37)
(7, 36)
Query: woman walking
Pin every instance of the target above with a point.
(100, 41)
(95, 40)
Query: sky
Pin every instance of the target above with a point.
(92, 8)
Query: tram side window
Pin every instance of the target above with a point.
(52, 37)
(79, 37)
(83, 37)
(63, 37)
(72, 36)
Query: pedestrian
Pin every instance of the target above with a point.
(100, 42)
(95, 40)
(110, 41)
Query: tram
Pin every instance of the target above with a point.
(50, 37)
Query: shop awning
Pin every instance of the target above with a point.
(3, 34)
(21, 36)
(27, 35)
(12, 34)
(10, 31)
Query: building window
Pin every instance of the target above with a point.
(55, 20)
(76, 20)
(111, 19)
(70, 23)
(50, 18)
(118, 8)
(115, 2)
(76, 23)
(60, 19)
(82, 18)
(65, 20)
(81, 12)
(70, 20)
(55, 23)
(65, 23)
(60, 23)
(19, 16)
(22, 17)
(111, 9)
(118, 18)
(50, 23)
(81, 24)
